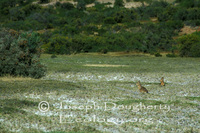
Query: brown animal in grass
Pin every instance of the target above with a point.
(141, 88)
(162, 83)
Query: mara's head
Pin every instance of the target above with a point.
(138, 83)
(162, 78)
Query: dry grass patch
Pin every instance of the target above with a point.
(104, 65)
(188, 30)
(10, 78)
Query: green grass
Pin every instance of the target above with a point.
(193, 98)
(137, 63)
(154, 102)
(68, 80)
(145, 102)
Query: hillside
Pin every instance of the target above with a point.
(68, 27)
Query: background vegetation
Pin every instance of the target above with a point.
(66, 28)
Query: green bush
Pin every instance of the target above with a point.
(28, 9)
(16, 14)
(175, 24)
(44, 1)
(157, 37)
(193, 14)
(69, 29)
(53, 56)
(104, 51)
(81, 5)
(180, 14)
(58, 4)
(20, 54)
(109, 20)
(189, 45)
(66, 5)
(171, 55)
(189, 3)
(58, 45)
(25, 25)
(89, 1)
(158, 55)
(119, 3)
(192, 23)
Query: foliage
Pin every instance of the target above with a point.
(89, 1)
(81, 5)
(53, 56)
(16, 14)
(180, 14)
(189, 45)
(189, 3)
(171, 55)
(24, 25)
(143, 1)
(44, 1)
(157, 37)
(158, 55)
(101, 27)
(177, 25)
(57, 45)
(20, 53)
(66, 5)
(119, 3)
(109, 20)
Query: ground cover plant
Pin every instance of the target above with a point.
(82, 79)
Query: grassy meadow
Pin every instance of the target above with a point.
(94, 92)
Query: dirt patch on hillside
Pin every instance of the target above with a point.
(127, 4)
(189, 30)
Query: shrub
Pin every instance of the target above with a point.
(192, 23)
(81, 5)
(58, 4)
(158, 55)
(109, 20)
(57, 45)
(17, 14)
(20, 54)
(38, 17)
(119, 3)
(158, 37)
(44, 1)
(171, 55)
(89, 1)
(53, 56)
(24, 25)
(67, 6)
(164, 16)
(175, 24)
(193, 14)
(181, 14)
(104, 51)
(69, 29)
(188, 3)
(189, 45)
(28, 9)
